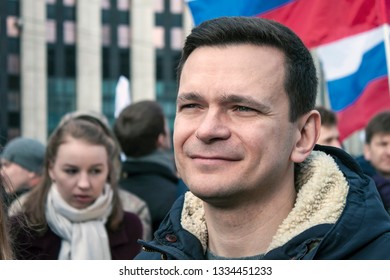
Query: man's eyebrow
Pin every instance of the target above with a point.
(227, 99)
(245, 100)
(189, 96)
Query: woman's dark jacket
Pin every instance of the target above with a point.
(29, 245)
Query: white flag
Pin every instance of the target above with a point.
(122, 95)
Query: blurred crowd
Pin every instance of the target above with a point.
(92, 191)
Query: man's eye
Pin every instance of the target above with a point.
(188, 106)
(243, 109)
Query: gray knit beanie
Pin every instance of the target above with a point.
(26, 152)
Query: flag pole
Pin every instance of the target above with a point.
(386, 35)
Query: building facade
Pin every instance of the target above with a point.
(63, 55)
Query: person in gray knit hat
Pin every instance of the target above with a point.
(21, 165)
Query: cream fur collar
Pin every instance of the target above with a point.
(322, 191)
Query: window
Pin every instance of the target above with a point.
(13, 7)
(14, 82)
(69, 2)
(51, 31)
(106, 35)
(158, 37)
(13, 64)
(123, 5)
(69, 32)
(176, 7)
(13, 45)
(106, 4)
(106, 62)
(70, 58)
(177, 39)
(69, 13)
(123, 36)
(124, 60)
(158, 6)
(50, 61)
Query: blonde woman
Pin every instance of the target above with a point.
(76, 212)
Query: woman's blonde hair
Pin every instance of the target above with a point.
(87, 127)
(6, 251)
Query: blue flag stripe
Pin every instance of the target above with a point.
(204, 10)
(344, 92)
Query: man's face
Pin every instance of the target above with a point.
(378, 153)
(329, 136)
(232, 133)
(16, 176)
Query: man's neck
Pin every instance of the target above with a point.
(248, 230)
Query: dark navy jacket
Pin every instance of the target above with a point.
(382, 183)
(154, 183)
(362, 231)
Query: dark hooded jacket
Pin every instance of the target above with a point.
(154, 183)
(382, 183)
(337, 215)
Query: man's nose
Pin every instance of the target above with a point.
(213, 126)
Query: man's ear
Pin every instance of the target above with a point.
(309, 127)
(367, 152)
(163, 141)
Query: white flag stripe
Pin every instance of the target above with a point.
(343, 57)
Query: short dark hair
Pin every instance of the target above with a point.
(301, 76)
(138, 127)
(328, 117)
(379, 124)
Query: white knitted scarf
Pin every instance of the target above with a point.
(83, 232)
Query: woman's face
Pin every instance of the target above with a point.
(80, 171)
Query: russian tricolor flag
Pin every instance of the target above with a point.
(348, 36)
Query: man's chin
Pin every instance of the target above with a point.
(217, 198)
